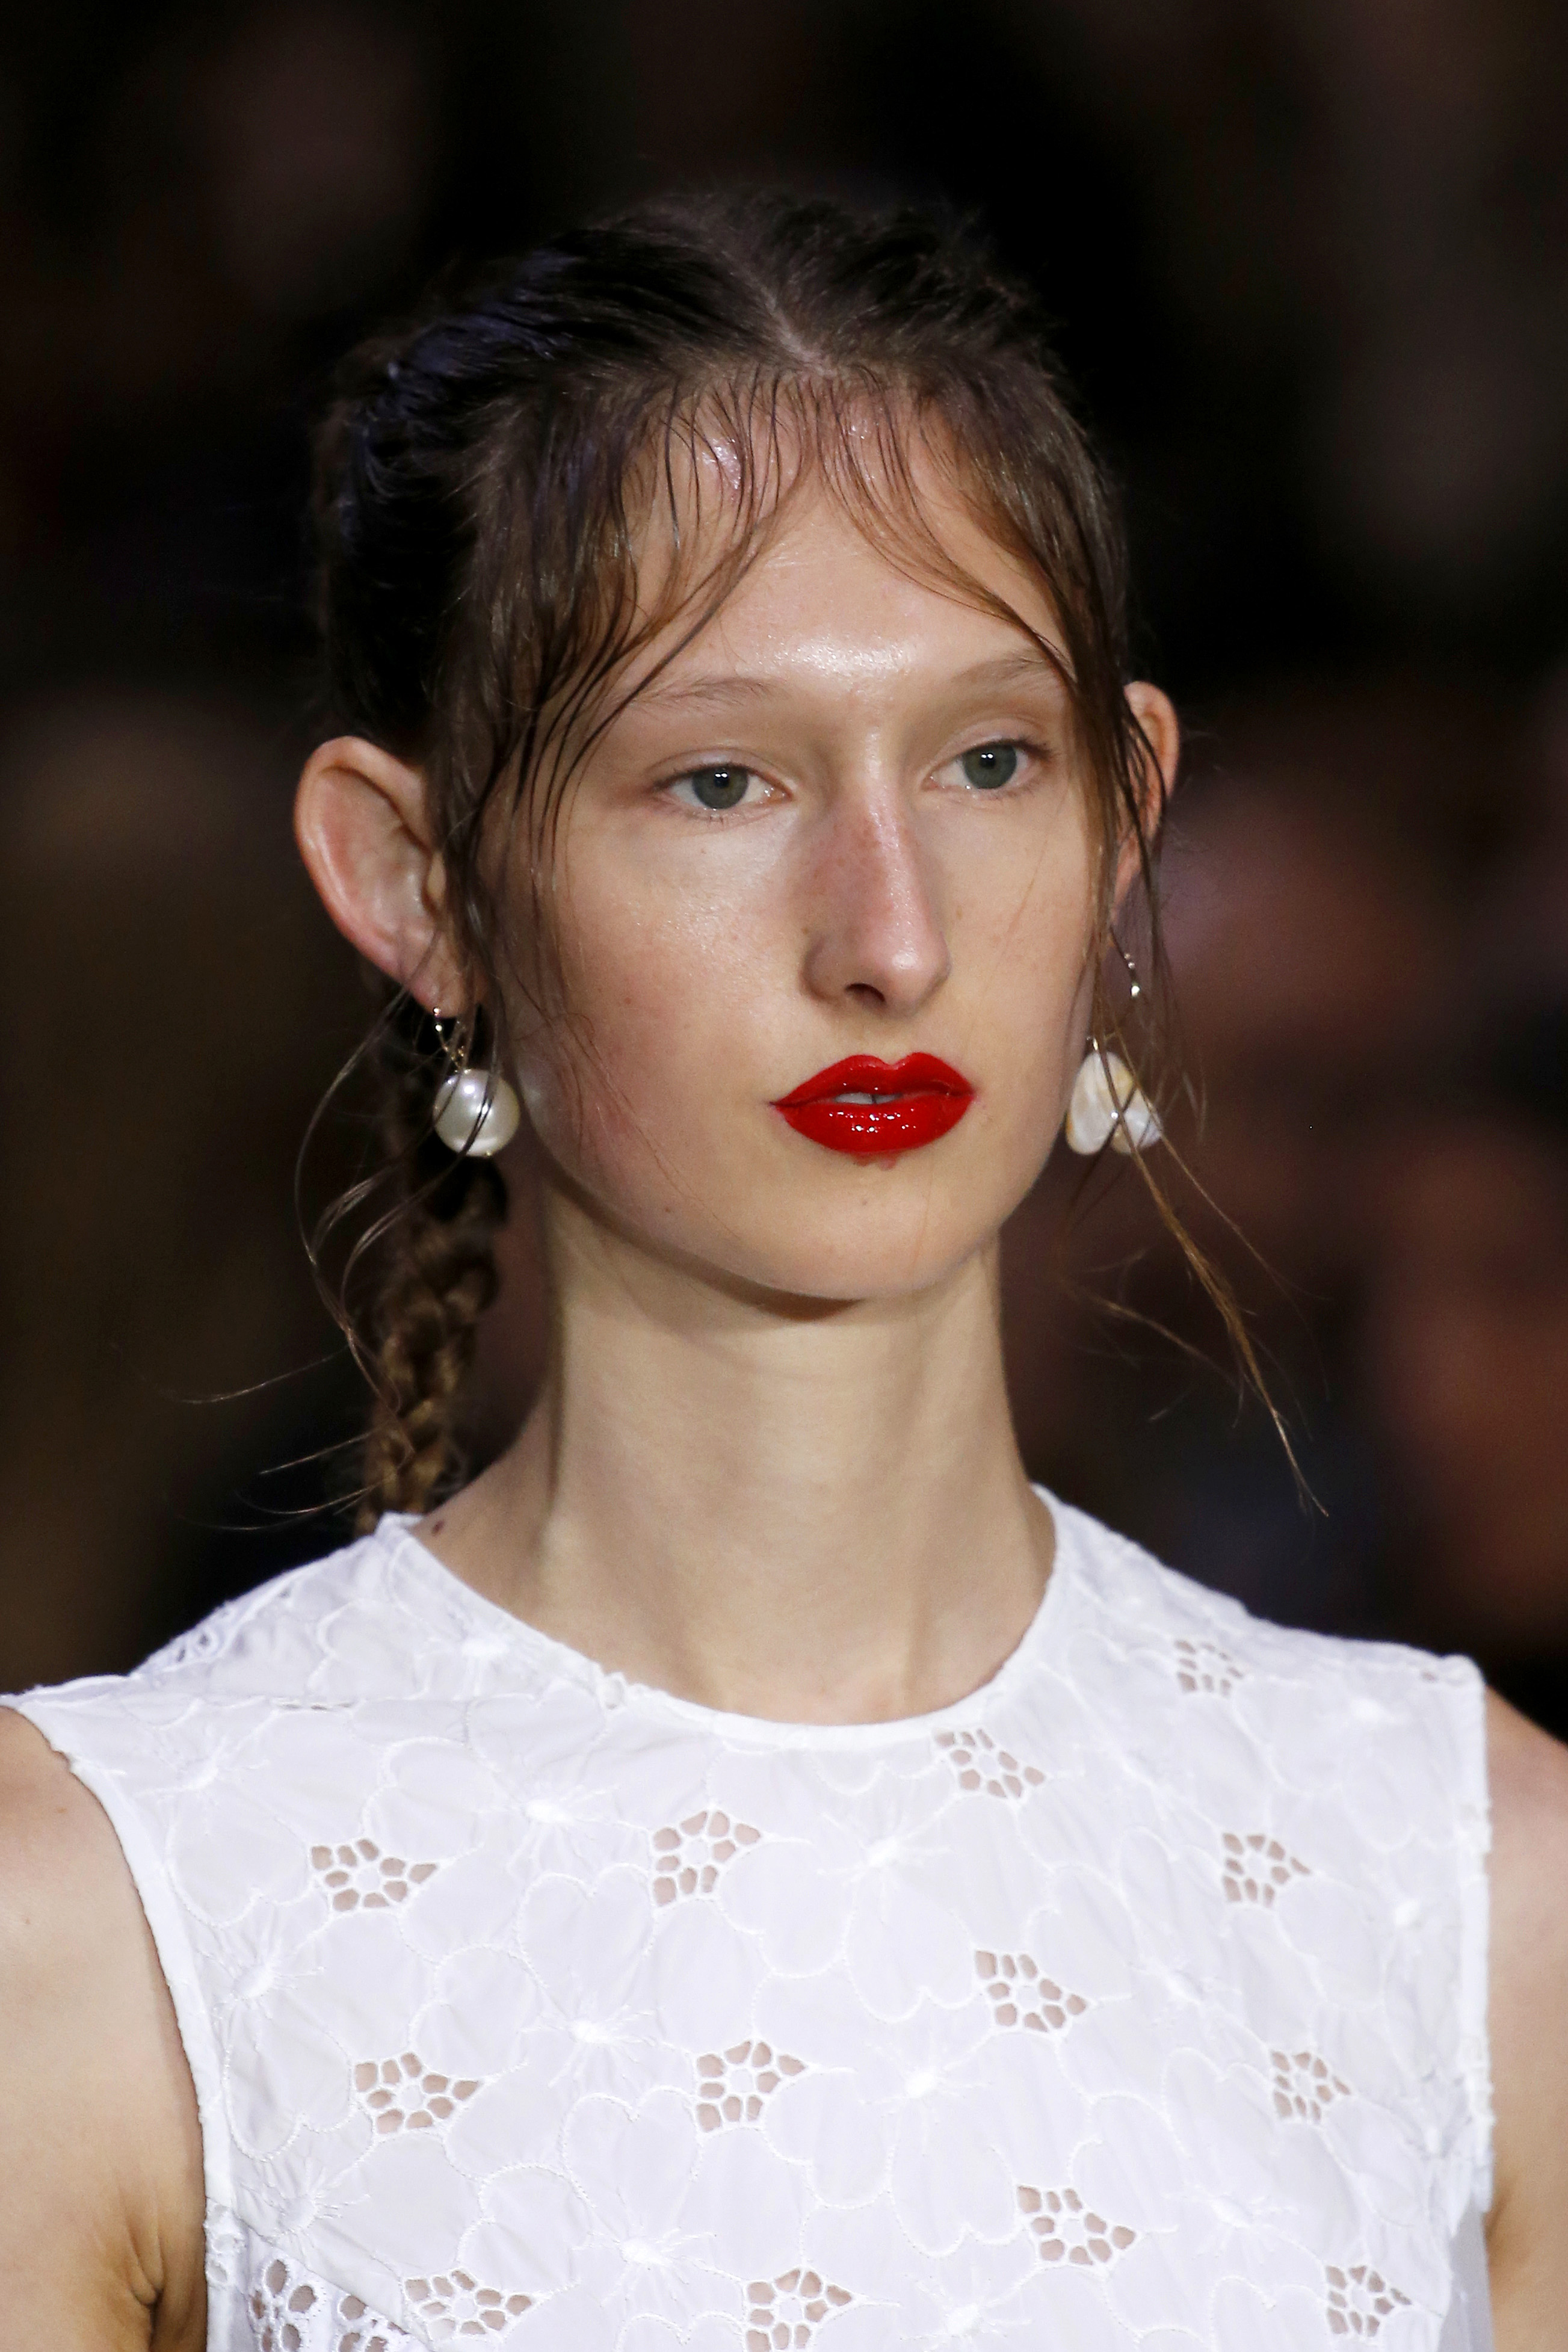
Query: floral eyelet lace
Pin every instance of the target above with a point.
(1138, 2000)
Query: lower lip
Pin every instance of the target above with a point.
(871, 1130)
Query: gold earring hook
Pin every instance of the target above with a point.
(454, 1040)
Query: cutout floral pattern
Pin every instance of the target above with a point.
(1360, 2300)
(1304, 2086)
(281, 2306)
(1257, 1867)
(981, 1764)
(368, 2338)
(404, 2096)
(294, 2313)
(362, 1875)
(784, 2312)
(451, 2306)
(688, 1859)
(1064, 2231)
(1020, 1995)
(1205, 1666)
(732, 2089)
(880, 1929)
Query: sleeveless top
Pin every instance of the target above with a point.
(1136, 2000)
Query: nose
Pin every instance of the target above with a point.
(875, 930)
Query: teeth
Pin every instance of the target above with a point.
(866, 1099)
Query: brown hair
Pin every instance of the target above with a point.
(482, 480)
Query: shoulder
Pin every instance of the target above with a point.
(70, 1921)
(1284, 1680)
(315, 1623)
(1366, 1759)
(1529, 1772)
(378, 1618)
(362, 1621)
(100, 2198)
(1528, 2023)
(57, 1854)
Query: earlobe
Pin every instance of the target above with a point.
(362, 827)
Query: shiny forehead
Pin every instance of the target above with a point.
(732, 476)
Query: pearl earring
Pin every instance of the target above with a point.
(1107, 1104)
(476, 1113)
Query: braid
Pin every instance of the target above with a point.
(434, 1274)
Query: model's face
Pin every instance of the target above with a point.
(847, 820)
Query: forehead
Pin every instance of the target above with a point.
(778, 562)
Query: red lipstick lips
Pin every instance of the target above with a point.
(869, 1108)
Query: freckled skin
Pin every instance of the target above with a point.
(866, 899)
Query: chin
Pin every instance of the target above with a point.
(889, 1243)
(836, 1278)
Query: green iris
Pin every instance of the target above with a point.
(720, 788)
(990, 765)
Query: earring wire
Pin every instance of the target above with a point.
(1137, 986)
(455, 1041)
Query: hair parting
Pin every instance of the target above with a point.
(485, 482)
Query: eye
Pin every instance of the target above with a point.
(714, 788)
(989, 765)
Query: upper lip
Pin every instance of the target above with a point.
(866, 1074)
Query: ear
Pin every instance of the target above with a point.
(363, 830)
(1161, 732)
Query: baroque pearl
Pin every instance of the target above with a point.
(1093, 1121)
(467, 1123)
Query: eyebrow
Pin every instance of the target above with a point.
(1003, 671)
(727, 688)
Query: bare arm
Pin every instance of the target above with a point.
(100, 2176)
(1528, 2230)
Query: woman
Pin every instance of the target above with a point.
(747, 1870)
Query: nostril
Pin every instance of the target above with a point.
(865, 992)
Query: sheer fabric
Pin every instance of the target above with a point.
(1137, 2000)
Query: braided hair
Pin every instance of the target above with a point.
(436, 1274)
(482, 480)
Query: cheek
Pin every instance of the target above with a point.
(660, 1032)
(1022, 936)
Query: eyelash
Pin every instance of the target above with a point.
(670, 788)
(1018, 743)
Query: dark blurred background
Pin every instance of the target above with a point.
(1310, 268)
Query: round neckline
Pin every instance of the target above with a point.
(616, 1692)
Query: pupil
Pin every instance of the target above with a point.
(720, 788)
(991, 764)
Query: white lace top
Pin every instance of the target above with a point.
(1137, 2000)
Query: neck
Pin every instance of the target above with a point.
(803, 1511)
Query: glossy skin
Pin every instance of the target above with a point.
(863, 897)
(773, 1467)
